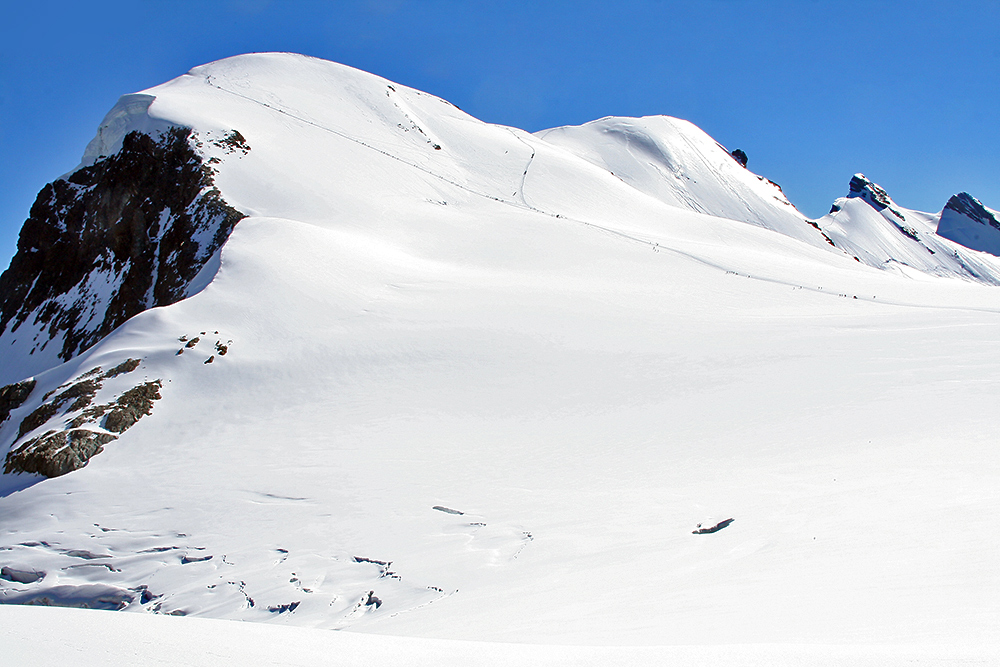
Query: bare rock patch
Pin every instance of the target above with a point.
(13, 396)
(75, 441)
(132, 406)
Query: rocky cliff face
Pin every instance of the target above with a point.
(967, 205)
(965, 220)
(113, 239)
(76, 427)
(868, 225)
(873, 194)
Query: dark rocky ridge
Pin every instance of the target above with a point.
(966, 221)
(141, 223)
(967, 205)
(13, 396)
(873, 194)
(75, 441)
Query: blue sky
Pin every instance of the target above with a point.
(906, 92)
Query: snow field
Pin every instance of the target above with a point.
(585, 372)
(107, 639)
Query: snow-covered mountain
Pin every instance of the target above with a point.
(301, 345)
(116, 236)
(675, 162)
(966, 221)
(870, 226)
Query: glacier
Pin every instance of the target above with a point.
(582, 342)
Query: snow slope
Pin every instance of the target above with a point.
(479, 378)
(675, 162)
(105, 639)
(870, 226)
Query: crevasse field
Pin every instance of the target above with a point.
(496, 380)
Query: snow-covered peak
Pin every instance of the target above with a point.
(872, 193)
(129, 114)
(870, 226)
(676, 162)
(965, 220)
(407, 372)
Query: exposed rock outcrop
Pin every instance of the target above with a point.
(714, 528)
(57, 452)
(74, 440)
(873, 194)
(132, 406)
(113, 239)
(39, 416)
(966, 221)
(967, 205)
(13, 396)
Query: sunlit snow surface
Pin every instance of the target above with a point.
(580, 372)
(104, 639)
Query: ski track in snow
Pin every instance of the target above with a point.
(524, 176)
(359, 142)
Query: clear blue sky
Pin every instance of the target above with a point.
(906, 92)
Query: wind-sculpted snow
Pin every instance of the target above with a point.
(174, 573)
(450, 379)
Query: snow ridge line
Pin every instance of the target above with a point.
(369, 146)
(656, 247)
(720, 177)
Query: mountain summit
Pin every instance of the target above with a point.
(966, 221)
(876, 231)
(298, 344)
